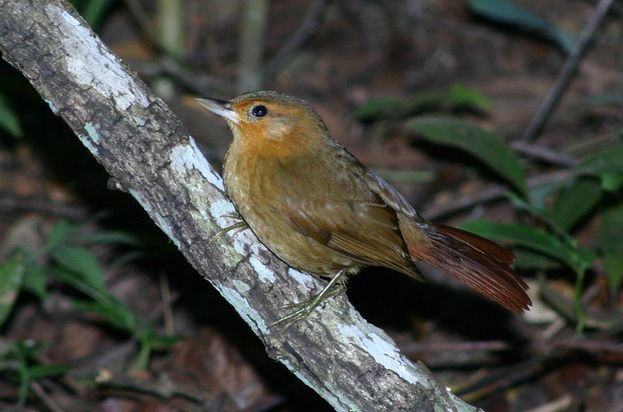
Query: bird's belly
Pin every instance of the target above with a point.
(257, 194)
(297, 250)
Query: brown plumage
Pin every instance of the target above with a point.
(320, 210)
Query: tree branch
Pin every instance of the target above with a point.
(350, 363)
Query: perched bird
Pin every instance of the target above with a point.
(320, 210)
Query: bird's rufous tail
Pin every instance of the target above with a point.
(474, 261)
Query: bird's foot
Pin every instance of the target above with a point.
(236, 227)
(302, 310)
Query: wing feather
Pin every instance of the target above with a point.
(365, 232)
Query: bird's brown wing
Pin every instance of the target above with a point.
(365, 231)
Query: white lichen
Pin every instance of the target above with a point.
(383, 352)
(305, 281)
(265, 273)
(188, 157)
(92, 132)
(52, 106)
(241, 286)
(88, 143)
(91, 64)
(221, 211)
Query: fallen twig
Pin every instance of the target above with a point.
(544, 154)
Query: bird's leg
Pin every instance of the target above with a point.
(239, 225)
(336, 286)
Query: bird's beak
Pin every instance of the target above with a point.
(220, 107)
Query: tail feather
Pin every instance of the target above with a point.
(476, 262)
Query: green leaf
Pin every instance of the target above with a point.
(530, 260)
(461, 96)
(112, 312)
(61, 232)
(611, 182)
(509, 13)
(482, 144)
(606, 161)
(95, 11)
(610, 242)
(155, 340)
(82, 262)
(11, 275)
(457, 97)
(613, 263)
(44, 371)
(26, 349)
(378, 108)
(535, 239)
(540, 195)
(79, 283)
(575, 202)
(9, 121)
(35, 281)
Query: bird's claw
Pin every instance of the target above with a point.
(303, 309)
(236, 227)
(295, 316)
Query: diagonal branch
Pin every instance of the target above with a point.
(135, 137)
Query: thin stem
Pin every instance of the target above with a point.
(251, 44)
(490, 194)
(564, 77)
(310, 23)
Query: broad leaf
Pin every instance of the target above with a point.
(536, 239)
(112, 312)
(44, 371)
(61, 232)
(93, 11)
(380, 107)
(35, 281)
(82, 262)
(607, 165)
(575, 202)
(530, 260)
(11, 275)
(457, 97)
(486, 146)
(463, 97)
(509, 13)
(610, 241)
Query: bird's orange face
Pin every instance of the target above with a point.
(269, 124)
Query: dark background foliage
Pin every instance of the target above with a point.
(99, 312)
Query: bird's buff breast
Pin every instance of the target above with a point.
(253, 194)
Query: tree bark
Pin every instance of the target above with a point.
(136, 138)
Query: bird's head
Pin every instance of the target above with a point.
(270, 120)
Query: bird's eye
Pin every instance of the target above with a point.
(259, 111)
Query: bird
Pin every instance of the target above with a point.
(320, 210)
